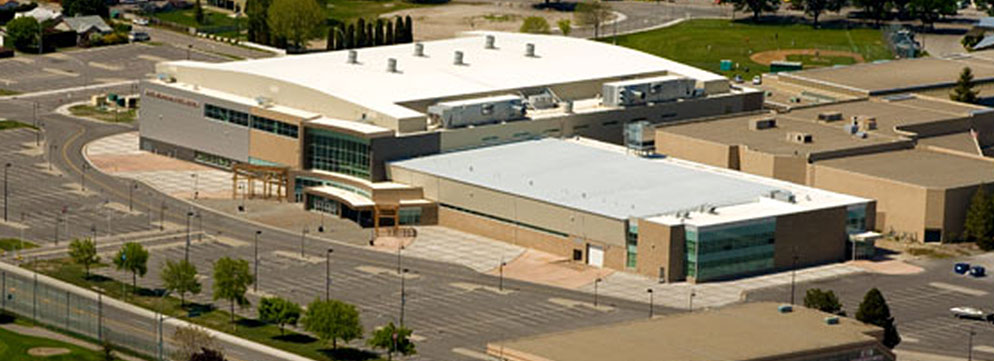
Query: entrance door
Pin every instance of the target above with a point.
(595, 255)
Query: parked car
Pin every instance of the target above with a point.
(757, 80)
(136, 36)
(961, 268)
(978, 271)
(971, 313)
(140, 21)
(738, 78)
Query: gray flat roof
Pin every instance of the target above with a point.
(591, 179)
(920, 167)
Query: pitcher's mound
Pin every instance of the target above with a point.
(767, 57)
(47, 351)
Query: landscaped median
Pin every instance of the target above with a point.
(105, 114)
(13, 124)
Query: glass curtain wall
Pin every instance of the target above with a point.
(336, 152)
(727, 250)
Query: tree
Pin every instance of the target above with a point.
(815, 8)
(393, 339)
(258, 21)
(350, 37)
(389, 38)
(398, 31)
(84, 252)
(369, 36)
(333, 320)
(181, 277)
(564, 26)
(132, 258)
(207, 354)
(408, 29)
(279, 310)
(824, 301)
(873, 310)
(928, 11)
(360, 36)
(191, 340)
(23, 32)
(534, 25)
(592, 14)
(985, 6)
(873, 9)
(757, 7)
(108, 351)
(964, 90)
(231, 281)
(198, 13)
(979, 223)
(85, 7)
(296, 20)
(378, 33)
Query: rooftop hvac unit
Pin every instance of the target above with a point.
(850, 128)
(832, 320)
(764, 123)
(530, 50)
(830, 116)
(785, 309)
(419, 49)
(799, 137)
(461, 113)
(263, 101)
(353, 57)
(542, 101)
(490, 42)
(866, 123)
(783, 196)
(457, 58)
(647, 90)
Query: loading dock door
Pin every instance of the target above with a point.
(595, 256)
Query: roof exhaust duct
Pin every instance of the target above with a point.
(530, 50)
(392, 65)
(490, 42)
(458, 58)
(419, 49)
(353, 57)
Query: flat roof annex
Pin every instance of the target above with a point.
(919, 167)
(435, 75)
(591, 179)
(748, 331)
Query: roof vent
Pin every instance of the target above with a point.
(457, 59)
(763, 123)
(490, 42)
(832, 320)
(353, 57)
(530, 50)
(392, 65)
(785, 309)
(830, 116)
(419, 49)
(799, 137)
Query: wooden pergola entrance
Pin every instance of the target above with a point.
(273, 178)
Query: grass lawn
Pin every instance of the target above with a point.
(13, 124)
(703, 43)
(15, 346)
(201, 314)
(10, 244)
(349, 10)
(187, 18)
(4, 92)
(92, 112)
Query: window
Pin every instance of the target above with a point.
(409, 216)
(487, 109)
(730, 249)
(631, 244)
(226, 115)
(274, 126)
(933, 235)
(856, 219)
(335, 152)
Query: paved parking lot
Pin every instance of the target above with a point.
(29, 73)
(920, 304)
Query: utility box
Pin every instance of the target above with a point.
(647, 90)
(461, 113)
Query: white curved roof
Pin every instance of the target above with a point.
(559, 60)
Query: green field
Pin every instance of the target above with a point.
(204, 315)
(5, 92)
(10, 244)
(704, 43)
(346, 11)
(15, 346)
(187, 18)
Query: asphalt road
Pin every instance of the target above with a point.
(920, 304)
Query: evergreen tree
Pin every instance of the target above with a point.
(873, 310)
(198, 12)
(964, 91)
(824, 301)
(378, 33)
(408, 30)
(398, 31)
(331, 39)
(350, 37)
(360, 35)
(339, 37)
(389, 38)
(370, 41)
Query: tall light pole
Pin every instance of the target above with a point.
(691, 305)
(51, 150)
(400, 247)
(303, 234)
(200, 226)
(255, 284)
(327, 274)
(596, 282)
(403, 295)
(131, 196)
(500, 285)
(162, 213)
(649, 291)
(82, 176)
(793, 272)
(196, 183)
(5, 193)
(186, 252)
(969, 347)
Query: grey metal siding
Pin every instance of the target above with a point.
(174, 116)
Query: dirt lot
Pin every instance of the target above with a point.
(440, 22)
(768, 57)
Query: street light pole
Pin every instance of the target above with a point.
(186, 252)
(400, 247)
(5, 193)
(649, 291)
(500, 285)
(596, 282)
(327, 275)
(691, 306)
(82, 177)
(303, 234)
(255, 284)
(162, 211)
(196, 182)
(793, 272)
(131, 196)
(969, 347)
(403, 296)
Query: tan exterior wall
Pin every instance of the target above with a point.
(660, 246)
(697, 150)
(506, 232)
(274, 148)
(790, 168)
(818, 237)
(900, 207)
(956, 202)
